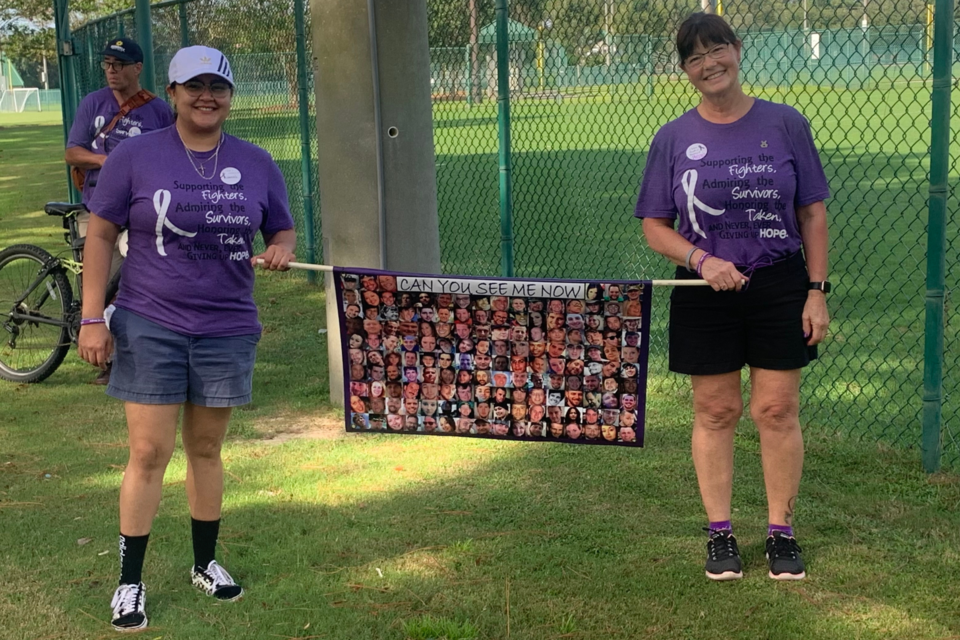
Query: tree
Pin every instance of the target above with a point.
(448, 21)
(40, 12)
(26, 48)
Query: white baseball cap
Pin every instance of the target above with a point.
(190, 62)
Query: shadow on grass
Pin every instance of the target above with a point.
(590, 542)
(355, 536)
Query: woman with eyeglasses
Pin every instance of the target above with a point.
(185, 334)
(741, 180)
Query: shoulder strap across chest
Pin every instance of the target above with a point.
(135, 101)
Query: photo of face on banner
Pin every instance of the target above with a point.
(479, 357)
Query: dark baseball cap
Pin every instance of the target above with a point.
(123, 49)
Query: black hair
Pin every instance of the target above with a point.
(707, 29)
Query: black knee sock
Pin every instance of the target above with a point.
(132, 550)
(205, 534)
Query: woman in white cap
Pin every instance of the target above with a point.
(193, 198)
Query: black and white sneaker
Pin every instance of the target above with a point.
(129, 601)
(215, 581)
(723, 556)
(783, 555)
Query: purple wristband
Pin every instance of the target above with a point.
(700, 262)
(85, 321)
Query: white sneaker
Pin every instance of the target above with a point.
(129, 601)
(215, 581)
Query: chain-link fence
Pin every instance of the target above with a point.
(260, 39)
(590, 84)
(951, 381)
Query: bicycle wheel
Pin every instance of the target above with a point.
(34, 332)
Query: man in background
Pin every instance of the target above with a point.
(104, 119)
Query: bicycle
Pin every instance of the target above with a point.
(40, 316)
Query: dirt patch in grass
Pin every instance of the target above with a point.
(286, 427)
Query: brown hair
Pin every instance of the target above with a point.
(707, 29)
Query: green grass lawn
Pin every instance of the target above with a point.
(376, 537)
(577, 162)
(50, 116)
(576, 167)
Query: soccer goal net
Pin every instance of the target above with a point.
(19, 100)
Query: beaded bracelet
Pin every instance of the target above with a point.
(687, 259)
(85, 321)
(700, 262)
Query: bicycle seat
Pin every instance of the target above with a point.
(63, 208)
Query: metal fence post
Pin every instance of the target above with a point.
(69, 97)
(469, 76)
(304, 108)
(648, 55)
(148, 79)
(936, 235)
(184, 25)
(503, 131)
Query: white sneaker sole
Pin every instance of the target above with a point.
(203, 589)
(726, 575)
(141, 626)
(788, 576)
(233, 599)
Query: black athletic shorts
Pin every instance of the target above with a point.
(713, 332)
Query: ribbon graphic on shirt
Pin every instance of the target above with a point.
(161, 202)
(98, 123)
(689, 183)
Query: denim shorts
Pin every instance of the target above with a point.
(154, 365)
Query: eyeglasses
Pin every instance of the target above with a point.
(116, 66)
(715, 53)
(195, 88)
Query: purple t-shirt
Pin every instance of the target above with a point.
(735, 187)
(190, 239)
(96, 111)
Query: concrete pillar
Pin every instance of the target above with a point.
(378, 185)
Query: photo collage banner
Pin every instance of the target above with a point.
(494, 358)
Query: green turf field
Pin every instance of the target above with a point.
(577, 161)
(388, 537)
(52, 116)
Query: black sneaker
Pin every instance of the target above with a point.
(128, 605)
(723, 556)
(215, 581)
(783, 555)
